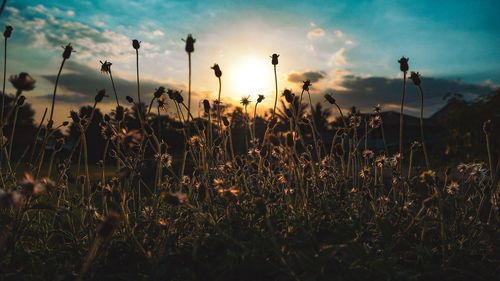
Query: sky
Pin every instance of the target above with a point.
(347, 48)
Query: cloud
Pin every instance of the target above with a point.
(339, 33)
(298, 77)
(316, 32)
(348, 42)
(338, 58)
(365, 92)
(79, 84)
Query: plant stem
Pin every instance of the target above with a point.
(401, 123)
(138, 87)
(422, 127)
(276, 97)
(55, 89)
(114, 89)
(189, 86)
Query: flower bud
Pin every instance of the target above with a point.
(8, 31)
(415, 77)
(129, 99)
(206, 106)
(65, 123)
(330, 99)
(306, 85)
(288, 95)
(260, 98)
(100, 95)
(136, 44)
(403, 64)
(217, 71)
(119, 113)
(189, 43)
(67, 51)
(160, 91)
(274, 59)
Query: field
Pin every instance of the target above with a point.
(142, 193)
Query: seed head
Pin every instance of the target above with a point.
(306, 85)
(189, 43)
(177, 97)
(119, 113)
(8, 31)
(22, 82)
(245, 101)
(206, 106)
(105, 66)
(274, 59)
(129, 99)
(415, 77)
(330, 99)
(100, 95)
(136, 44)
(225, 121)
(160, 91)
(67, 51)
(403, 64)
(288, 95)
(260, 98)
(217, 71)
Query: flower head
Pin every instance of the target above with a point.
(217, 71)
(206, 106)
(377, 109)
(105, 66)
(330, 99)
(452, 188)
(8, 31)
(136, 44)
(260, 98)
(403, 64)
(158, 92)
(67, 51)
(22, 82)
(306, 85)
(274, 59)
(100, 95)
(415, 77)
(245, 101)
(189, 43)
(288, 95)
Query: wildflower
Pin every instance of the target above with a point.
(176, 96)
(105, 66)
(195, 141)
(427, 176)
(377, 109)
(274, 59)
(452, 188)
(245, 101)
(67, 51)
(306, 85)
(162, 102)
(365, 172)
(395, 159)
(100, 95)
(368, 154)
(8, 31)
(355, 121)
(260, 98)
(22, 82)
(375, 121)
(381, 161)
(330, 99)
(415, 77)
(254, 152)
(108, 227)
(403, 64)
(206, 106)
(129, 99)
(136, 44)
(288, 95)
(159, 92)
(189, 43)
(217, 71)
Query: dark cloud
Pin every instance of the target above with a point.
(83, 83)
(298, 77)
(368, 92)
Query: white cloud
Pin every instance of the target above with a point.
(339, 33)
(70, 13)
(316, 32)
(349, 42)
(158, 33)
(338, 58)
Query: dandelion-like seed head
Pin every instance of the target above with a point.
(217, 71)
(403, 64)
(105, 66)
(274, 59)
(68, 49)
(245, 101)
(136, 44)
(189, 43)
(8, 31)
(415, 77)
(22, 82)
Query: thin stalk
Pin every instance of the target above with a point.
(137, 67)
(401, 122)
(55, 89)
(12, 133)
(4, 71)
(114, 89)
(189, 86)
(422, 127)
(276, 97)
(218, 107)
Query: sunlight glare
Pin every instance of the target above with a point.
(252, 76)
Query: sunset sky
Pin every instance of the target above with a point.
(348, 48)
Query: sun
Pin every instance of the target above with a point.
(252, 76)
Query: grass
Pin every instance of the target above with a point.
(283, 210)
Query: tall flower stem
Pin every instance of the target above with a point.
(189, 86)
(4, 75)
(114, 89)
(422, 127)
(12, 133)
(401, 122)
(55, 90)
(218, 107)
(276, 87)
(137, 67)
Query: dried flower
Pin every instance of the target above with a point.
(105, 66)
(225, 121)
(452, 188)
(274, 59)
(415, 77)
(377, 109)
(67, 51)
(176, 96)
(306, 85)
(217, 71)
(8, 31)
(427, 176)
(375, 121)
(136, 44)
(330, 99)
(403, 64)
(158, 92)
(245, 101)
(206, 106)
(22, 82)
(129, 99)
(189, 43)
(288, 95)
(260, 98)
(100, 95)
